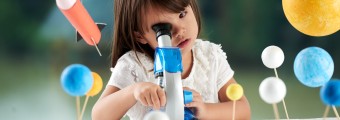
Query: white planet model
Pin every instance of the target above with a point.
(272, 57)
(156, 115)
(272, 90)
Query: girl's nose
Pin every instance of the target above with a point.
(178, 31)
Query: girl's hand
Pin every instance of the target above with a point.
(197, 103)
(150, 94)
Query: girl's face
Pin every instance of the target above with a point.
(184, 28)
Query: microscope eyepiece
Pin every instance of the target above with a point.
(162, 29)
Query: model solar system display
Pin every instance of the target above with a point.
(313, 66)
(273, 89)
(313, 17)
(77, 80)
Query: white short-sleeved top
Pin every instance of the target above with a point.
(209, 73)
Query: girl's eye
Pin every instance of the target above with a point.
(182, 14)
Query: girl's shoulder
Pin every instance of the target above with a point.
(135, 59)
(129, 70)
(208, 49)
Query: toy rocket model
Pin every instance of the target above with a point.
(77, 15)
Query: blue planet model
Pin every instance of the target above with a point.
(330, 93)
(313, 66)
(76, 80)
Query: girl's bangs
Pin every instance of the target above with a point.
(175, 6)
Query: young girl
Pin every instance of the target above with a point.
(132, 89)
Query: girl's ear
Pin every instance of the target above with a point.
(140, 38)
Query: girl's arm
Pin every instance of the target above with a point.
(224, 109)
(113, 103)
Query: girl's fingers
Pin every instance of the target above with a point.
(192, 104)
(161, 96)
(143, 101)
(155, 100)
(197, 99)
(186, 88)
(194, 92)
(148, 99)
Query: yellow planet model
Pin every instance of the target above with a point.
(97, 85)
(234, 92)
(313, 17)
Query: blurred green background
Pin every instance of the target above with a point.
(37, 43)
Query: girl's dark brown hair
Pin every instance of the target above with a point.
(128, 19)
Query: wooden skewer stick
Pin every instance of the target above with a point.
(277, 116)
(234, 107)
(83, 110)
(284, 106)
(78, 106)
(283, 100)
(326, 113)
(277, 76)
(336, 112)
